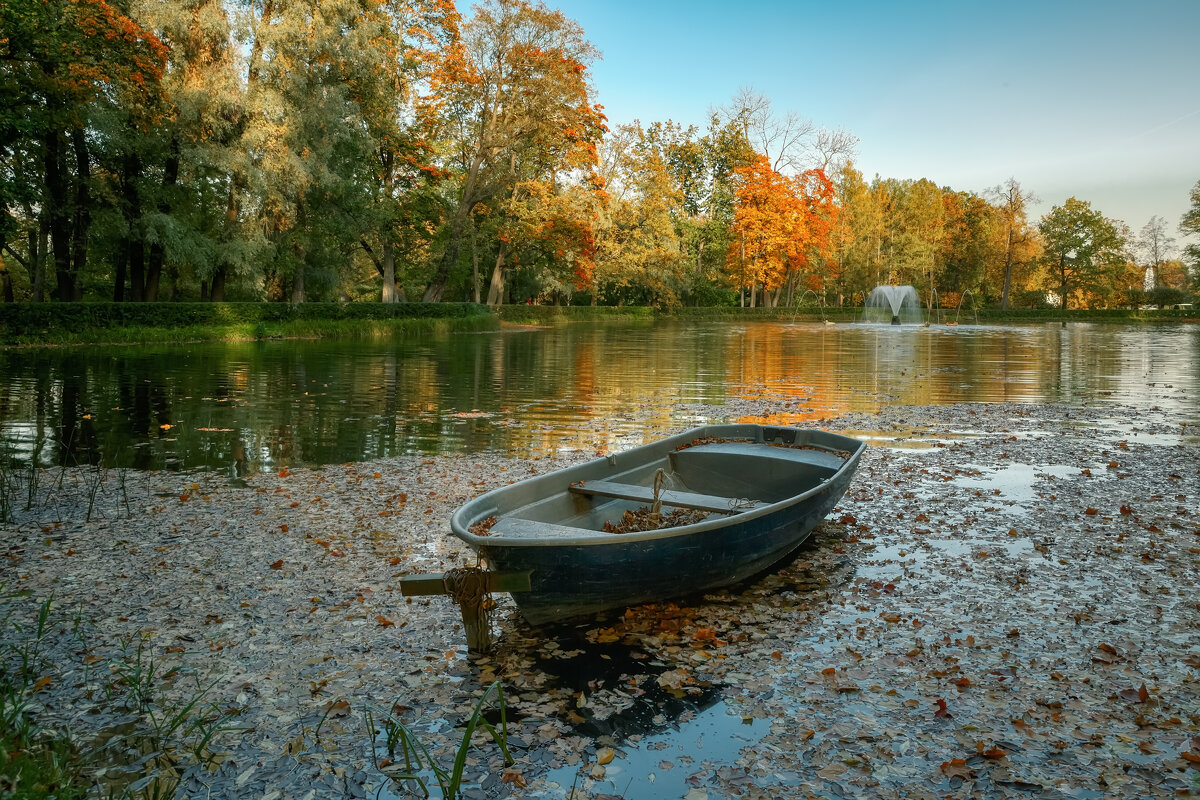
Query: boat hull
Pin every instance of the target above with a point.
(577, 569)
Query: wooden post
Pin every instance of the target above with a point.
(472, 605)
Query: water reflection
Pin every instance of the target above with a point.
(259, 406)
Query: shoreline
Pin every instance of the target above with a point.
(1001, 604)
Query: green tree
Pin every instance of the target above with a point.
(1084, 251)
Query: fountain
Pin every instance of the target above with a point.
(895, 304)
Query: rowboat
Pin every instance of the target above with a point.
(746, 496)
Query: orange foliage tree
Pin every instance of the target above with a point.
(783, 230)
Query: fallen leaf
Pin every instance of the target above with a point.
(278, 564)
(337, 708)
(957, 768)
(942, 711)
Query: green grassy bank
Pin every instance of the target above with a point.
(50, 324)
(41, 324)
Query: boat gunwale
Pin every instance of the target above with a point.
(592, 538)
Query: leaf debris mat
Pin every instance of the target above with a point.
(1010, 611)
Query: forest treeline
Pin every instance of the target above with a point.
(389, 150)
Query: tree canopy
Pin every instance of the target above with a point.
(384, 150)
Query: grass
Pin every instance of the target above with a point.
(255, 331)
(410, 760)
(140, 761)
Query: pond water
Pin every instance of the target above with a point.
(529, 391)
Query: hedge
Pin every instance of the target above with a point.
(23, 321)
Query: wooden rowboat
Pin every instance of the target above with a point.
(756, 490)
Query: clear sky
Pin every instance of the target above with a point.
(1095, 99)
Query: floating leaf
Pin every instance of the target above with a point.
(957, 768)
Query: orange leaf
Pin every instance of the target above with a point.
(278, 564)
(1189, 756)
(384, 621)
(942, 711)
(1091, 512)
(284, 528)
(957, 767)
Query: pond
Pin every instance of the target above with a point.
(530, 391)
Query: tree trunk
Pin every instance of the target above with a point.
(388, 295)
(6, 283)
(474, 262)
(121, 263)
(437, 284)
(298, 283)
(1062, 283)
(496, 286)
(131, 208)
(1008, 266)
(216, 293)
(37, 258)
(59, 215)
(157, 251)
(83, 207)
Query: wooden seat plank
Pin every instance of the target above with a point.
(668, 497)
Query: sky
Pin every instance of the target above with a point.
(1093, 99)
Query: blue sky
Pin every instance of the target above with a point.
(1099, 100)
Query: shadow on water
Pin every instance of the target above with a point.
(646, 702)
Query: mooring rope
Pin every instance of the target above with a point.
(468, 586)
(660, 478)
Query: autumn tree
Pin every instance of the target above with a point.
(1083, 249)
(966, 243)
(1012, 203)
(859, 234)
(406, 49)
(64, 61)
(648, 173)
(782, 231)
(519, 107)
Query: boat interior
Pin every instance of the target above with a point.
(719, 478)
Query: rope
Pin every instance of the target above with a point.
(738, 504)
(467, 586)
(660, 478)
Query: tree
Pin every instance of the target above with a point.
(1083, 250)
(653, 177)
(791, 143)
(404, 49)
(1155, 247)
(519, 107)
(62, 60)
(1012, 203)
(858, 234)
(1189, 225)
